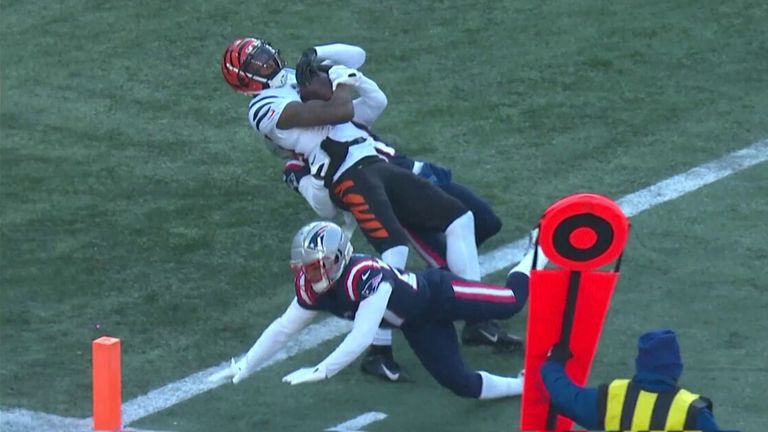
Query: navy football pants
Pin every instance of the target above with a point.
(435, 341)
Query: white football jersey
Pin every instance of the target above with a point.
(264, 111)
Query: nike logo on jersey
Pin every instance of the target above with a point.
(366, 274)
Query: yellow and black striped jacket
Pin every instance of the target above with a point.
(623, 406)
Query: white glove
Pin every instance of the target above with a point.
(344, 75)
(306, 375)
(228, 373)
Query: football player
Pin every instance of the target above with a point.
(430, 246)
(343, 155)
(368, 291)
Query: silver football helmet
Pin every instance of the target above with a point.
(324, 252)
(297, 246)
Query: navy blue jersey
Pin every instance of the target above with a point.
(409, 301)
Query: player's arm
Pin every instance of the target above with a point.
(338, 109)
(340, 54)
(316, 195)
(371, 103)
(297, 175)
(367, 319)
(274, 338)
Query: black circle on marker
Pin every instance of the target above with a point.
(562, 237)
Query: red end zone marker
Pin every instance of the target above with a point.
(580, 234)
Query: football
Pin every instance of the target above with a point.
(319, 88)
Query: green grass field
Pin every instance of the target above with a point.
(137, 202)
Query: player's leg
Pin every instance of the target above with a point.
(487, 223)
(422, 205)
(360, 191)
(437, 347)
(476, 301)
(430, 245)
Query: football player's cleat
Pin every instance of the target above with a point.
(251, 65)
(490, 333)
(382, 365)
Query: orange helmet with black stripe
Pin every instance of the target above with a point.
(250, 65)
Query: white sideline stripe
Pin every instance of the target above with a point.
(356, 423)
(22, 420)
(666, 190)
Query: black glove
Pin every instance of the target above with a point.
(306, 68)
(559, 353)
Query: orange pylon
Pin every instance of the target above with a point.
(107, 390)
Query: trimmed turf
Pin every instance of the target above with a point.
(136, 202)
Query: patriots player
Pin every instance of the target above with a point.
(369, 292)
(343, 155)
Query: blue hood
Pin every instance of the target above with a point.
(659, 354)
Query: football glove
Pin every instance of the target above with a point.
(306, 375)
(343, 75)
(305, 68)
(293, 171)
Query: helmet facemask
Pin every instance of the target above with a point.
(263, 64)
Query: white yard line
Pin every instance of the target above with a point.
(195, 384)
(356, 423)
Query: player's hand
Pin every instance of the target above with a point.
(343, 75)
(306, 375)
(293, 171)
(305, 68)
(226, 374)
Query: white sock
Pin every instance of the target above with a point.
(526, 264)
(495, 386)
(461, 249)
(383, 337)
(396, 256)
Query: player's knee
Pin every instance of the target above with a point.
(487, 224)
(465, 383)
(463, 224)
